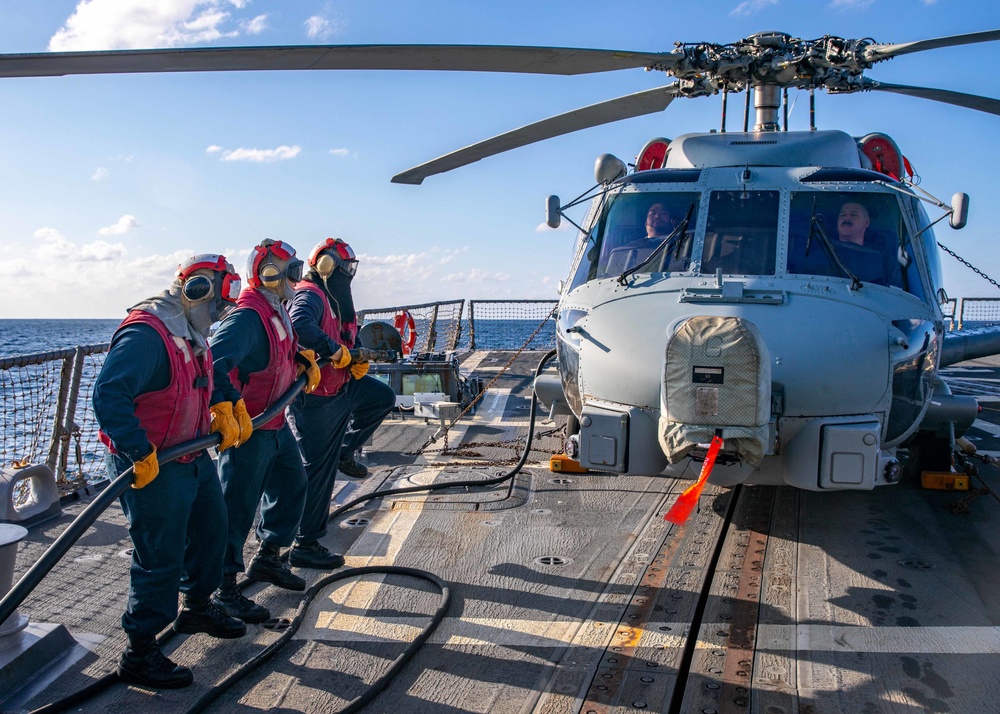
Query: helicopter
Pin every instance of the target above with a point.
(748, 316)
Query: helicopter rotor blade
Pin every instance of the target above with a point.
(969, 101)
(468, 58)
(874, 53)
(632, 105)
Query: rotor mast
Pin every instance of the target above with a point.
(766, 103)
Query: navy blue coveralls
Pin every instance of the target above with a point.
(320, 422)
(267, 469)
(176, 522)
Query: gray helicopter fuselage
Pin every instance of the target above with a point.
(843, 338)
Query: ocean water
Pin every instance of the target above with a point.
(23, 337)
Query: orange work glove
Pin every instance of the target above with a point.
(243, 419)
(359, 369)
(225, 423)
(145, 470)
(307, 363)
(341, 358)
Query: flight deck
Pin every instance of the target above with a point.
(571, 593)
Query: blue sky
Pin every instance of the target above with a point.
(110, 180)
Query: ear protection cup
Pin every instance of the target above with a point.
(325, 265)
(197, 289)
(270, 276)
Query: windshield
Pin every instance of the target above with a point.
(632, 226)
(741, 236)
(865, 230)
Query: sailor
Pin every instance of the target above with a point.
(153, 393)
(323, 315)
(256, 357)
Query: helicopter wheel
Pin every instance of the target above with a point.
(928, 452)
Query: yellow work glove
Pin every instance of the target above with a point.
(307, 363)
(225, 423)
(243, 419)
(145, 470)
(359, 369)
(341, 358)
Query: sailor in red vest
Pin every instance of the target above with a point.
(257, 358)
(154, 392)
(323, 315)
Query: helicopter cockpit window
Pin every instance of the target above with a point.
(632, 227)
(741, 236)
(866, 231)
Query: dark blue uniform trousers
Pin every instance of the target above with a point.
(177, 526)
(318, 424)
(266, 471)
(371, 400)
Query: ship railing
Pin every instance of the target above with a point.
(438, 325)
(977, 312)
(47, 415)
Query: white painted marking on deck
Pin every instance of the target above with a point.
(472, 363)
(494, 403)
(524, 633)
(991, 429)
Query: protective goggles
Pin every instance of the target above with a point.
(194, 290)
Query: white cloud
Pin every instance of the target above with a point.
(850, 4)
(319, 27)
(125, 224)
(129, 24)
(260, 156)
(213, 149)
(475, 276)
(100, 173)
(101, 250)
(344, 153)
(751, 7)
(563, 226)
(255, 26)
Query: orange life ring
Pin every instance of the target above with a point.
(407, 330)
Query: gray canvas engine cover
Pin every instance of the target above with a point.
(716, 376)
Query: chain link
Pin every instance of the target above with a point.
(968, 265)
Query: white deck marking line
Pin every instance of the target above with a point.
(493, 406)
(472, 363)
(991, 429)
(493, 632)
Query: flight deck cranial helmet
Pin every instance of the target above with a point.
(331, 254)
(208, 285)
(272, 265)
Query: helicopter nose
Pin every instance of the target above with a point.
(716, 381)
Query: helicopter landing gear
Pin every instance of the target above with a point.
(928, 451)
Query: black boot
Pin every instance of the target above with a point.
(144, 664)
(203, 616)
(267, 567)
(314, 555)
(350, 466)
(232, 602)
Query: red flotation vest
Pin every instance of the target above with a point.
(263, 388)
(178, 412)
(332, 379)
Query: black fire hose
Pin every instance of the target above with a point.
(454, 484)
(119, 485)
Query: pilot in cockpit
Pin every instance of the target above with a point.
(659, 222)
(867, 253)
